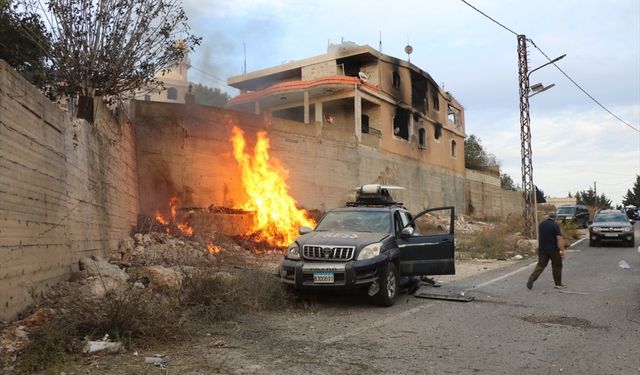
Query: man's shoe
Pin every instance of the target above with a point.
(529, 284)
(561, 286)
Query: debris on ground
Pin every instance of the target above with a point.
(155, 260)
(156, 360)
(624, 265)
(103, 345)
(15, 337)
(458, 297)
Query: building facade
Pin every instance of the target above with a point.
(383, 102)
(176, 84)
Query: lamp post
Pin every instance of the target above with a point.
(528, 188)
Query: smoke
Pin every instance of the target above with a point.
(226, 29)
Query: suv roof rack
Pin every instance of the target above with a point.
(374, 195)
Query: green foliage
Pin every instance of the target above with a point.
(25, 44)
(506, 182)
(633, 195)
(540, 196)
(475, 156)
(569, 230)
(589, 198)
(210, 97)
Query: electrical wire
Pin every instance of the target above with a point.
(583, 90)
(557, 67)
(486, 15)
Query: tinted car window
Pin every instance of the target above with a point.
(356, 221)
(566, 210)
(610, 217)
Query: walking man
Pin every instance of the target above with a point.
(550, 247)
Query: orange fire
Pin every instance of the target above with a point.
(213, 249)
(184, 228)
(277, 218)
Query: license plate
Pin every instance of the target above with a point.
(611, 234)
(323, 278)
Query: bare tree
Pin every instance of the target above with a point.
(112, 48)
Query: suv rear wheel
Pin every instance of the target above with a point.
(388, 286)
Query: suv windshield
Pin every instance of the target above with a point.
(356, 221)
(565, 210)
(610, 217)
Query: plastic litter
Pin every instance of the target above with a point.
(157, 360)
(624, 265)
(98, 346)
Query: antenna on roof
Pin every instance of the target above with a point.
(408, 49)
(244, 67)
(380, 41)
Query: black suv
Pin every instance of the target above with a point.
(373, 243)
(577, 214)
(611, 226)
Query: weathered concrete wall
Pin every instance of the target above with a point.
(67, 189)
(485, 199)
(187, 152)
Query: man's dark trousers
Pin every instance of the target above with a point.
(543, 260)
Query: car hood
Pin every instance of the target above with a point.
(612, 224)
(357, 239)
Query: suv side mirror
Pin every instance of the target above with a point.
(632, 221)
(406, 232)
(304, 230)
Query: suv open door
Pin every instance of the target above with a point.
(426, 243)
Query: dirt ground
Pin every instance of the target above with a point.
(255, 343)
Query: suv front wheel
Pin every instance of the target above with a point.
(388, 286)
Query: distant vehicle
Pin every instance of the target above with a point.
(611, 226)
(577, 214)
(632, 212)
(373, 244)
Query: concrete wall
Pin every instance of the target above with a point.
(485, 199)
(186, 151)
(67, 189)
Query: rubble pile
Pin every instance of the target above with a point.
(471, 226)
(155, 261)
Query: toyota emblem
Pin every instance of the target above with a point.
(327, 252)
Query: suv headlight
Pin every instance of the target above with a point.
(370, 251)
(596, 229)
(627, 229)
(293, 253)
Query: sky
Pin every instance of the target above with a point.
(576, 144)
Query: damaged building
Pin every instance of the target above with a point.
(381, 103)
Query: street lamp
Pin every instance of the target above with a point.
(528, 188)
(539, 87)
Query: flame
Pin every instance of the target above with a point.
(160, 219)
(184, 228)
(213, 249)
(277, 218)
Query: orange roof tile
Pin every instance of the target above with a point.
(301, 85)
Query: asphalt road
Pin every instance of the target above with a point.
(592, 327)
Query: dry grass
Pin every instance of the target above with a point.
(569, 230)
(143, 317)
(496, 242)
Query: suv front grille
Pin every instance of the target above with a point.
(330, 253)
(611, 229)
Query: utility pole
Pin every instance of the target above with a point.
(530, 211)
(528, 192)
(595, 193)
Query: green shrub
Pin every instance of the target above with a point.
(569, 230)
